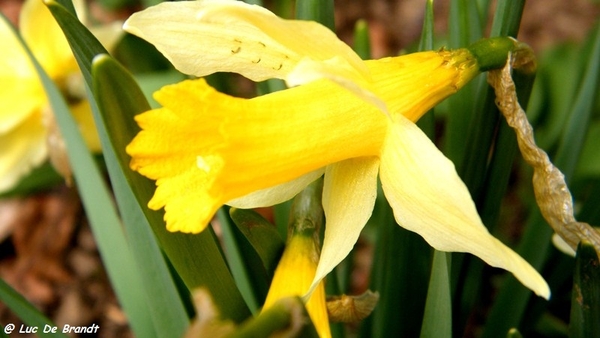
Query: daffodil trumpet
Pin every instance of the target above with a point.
(349, 119)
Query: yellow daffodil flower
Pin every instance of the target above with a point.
(347, 118)
(25, 115)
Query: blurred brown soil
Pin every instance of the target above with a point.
(51, 258)
(48, 253)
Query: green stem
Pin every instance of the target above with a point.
(306, 216)
(491, 53)
(287, 316)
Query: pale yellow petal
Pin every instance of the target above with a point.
(19, 100)
(429, 198)
(561, 245)
(277, 194)
(23, 148)
(204, 37)
(46, 40)
(349, 193)
(206, 148)
(21, 93)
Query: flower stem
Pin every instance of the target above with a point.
(287, 316)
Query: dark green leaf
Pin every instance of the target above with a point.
(262, 235)
(585, 301)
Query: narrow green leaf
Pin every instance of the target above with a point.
(574, 133)
(25, 310)
(465, 24)
(464, 28)
(437, 320)
(362, 41)
(246, 267)
(585, 299)
(316, 10)
(426, 41)
(507, 18)
(262, 235)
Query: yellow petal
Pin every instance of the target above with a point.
(19, 100)
(205, 148)
(293, 276)
(204, 37)
(349, 193)
(277, 194)
(429, 198)
(563, 246)
(23, 148)
(85, 121)
(21, 93)
(412, 84)
(46, 40)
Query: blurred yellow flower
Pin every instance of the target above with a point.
(347, 118)
(25, 116)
